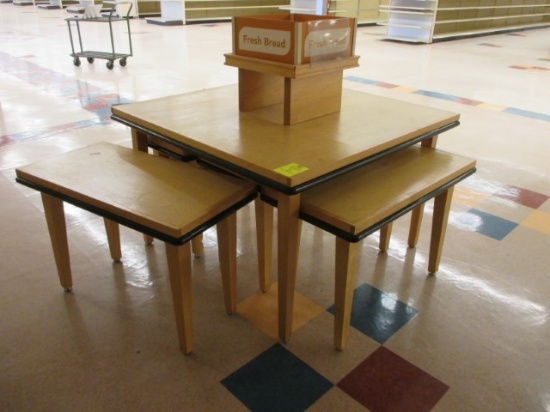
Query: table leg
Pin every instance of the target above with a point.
(431, 142)
(288, 226)
(385, 235)
(442, 207)
(416, 222)
(139, 142)
(113, 238)
(55, 217)
(264, 236)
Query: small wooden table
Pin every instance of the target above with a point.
(289, 159)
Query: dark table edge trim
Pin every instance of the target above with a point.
(368, 231)
(276, 185)
(136, 226)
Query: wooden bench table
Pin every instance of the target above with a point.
(288, 159)
(166, 199)
(368, 199)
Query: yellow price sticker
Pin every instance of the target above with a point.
(291, 169)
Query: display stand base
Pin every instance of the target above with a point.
(306, 91)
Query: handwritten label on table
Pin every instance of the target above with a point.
(291, 169)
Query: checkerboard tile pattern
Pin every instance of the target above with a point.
(497, 227)
(278, 380)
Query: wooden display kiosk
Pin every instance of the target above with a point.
(291, 65)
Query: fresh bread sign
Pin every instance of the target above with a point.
(293, 38)
(267, 41)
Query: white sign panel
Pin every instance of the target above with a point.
(326, 42)
(264, 40)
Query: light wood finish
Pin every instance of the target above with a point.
(344, 284)
(385, 236)
(255, 144)
(264, 234)
(209, 122)
(375, 193)
(140, 142)
(263, 90)
(263, 83)
(167, 199)
(442, 206)
(179, 270)
(227, 251)
(416, 222)
(305, 100)
(300, 97)
(113, 238)
(288, 228)
(290, 71)
(386, 186)
(55, 218)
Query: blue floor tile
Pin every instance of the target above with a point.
(527, 113)
(436, 95)
(277, 380)
(489, 225)
(376, 314)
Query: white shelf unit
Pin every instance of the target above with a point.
(411, 20)
(318, 7)
(365, 12)
(425, 21)
(172, 13)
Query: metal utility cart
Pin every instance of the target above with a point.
(110, 18)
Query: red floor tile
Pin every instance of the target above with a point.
(387, 382)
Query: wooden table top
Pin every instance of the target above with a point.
(288, 158)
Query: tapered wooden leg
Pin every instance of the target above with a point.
(431, 142)
(113, 238)
(385, 236)
(139, 142)
(227, 251)
(416, 222)
(288, 233)
(55, 218)
(442, 206)
(264, 236)
(197, 246)
(179, 267)
(345, 273)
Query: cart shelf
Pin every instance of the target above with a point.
(91, 55)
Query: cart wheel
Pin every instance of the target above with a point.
(123, 62)
(76, 61)
(90, 59)
(110, 64)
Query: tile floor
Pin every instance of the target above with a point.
(476, 337)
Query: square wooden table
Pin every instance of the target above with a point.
(286, 159)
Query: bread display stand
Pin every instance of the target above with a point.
(291, 65)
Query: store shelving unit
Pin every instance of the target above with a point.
(51, 4)
(366, 12)
(424, 21)
(172, 13)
